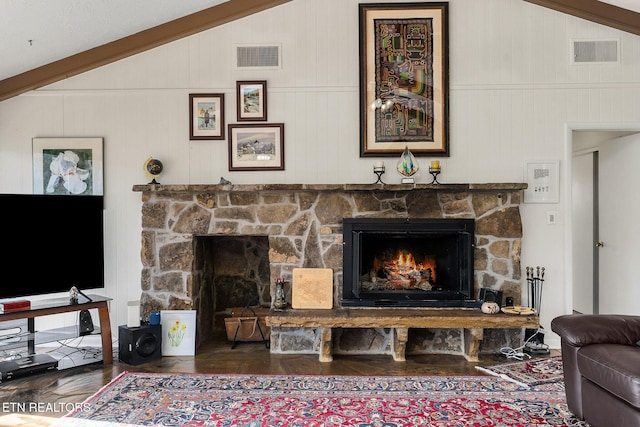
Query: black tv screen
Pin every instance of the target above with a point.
(51, 243)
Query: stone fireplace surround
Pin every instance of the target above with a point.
(302, 224)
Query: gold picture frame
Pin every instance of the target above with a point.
(404, 78)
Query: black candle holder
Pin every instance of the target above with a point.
(379, 171)
(434, 172)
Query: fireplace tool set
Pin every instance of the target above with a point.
(535, 337)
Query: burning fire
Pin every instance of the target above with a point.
(406, 260)
(403, 270)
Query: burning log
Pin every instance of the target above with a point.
(401, 272)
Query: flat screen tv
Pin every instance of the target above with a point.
(51, 243)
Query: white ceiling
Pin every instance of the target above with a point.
(37, 32)
(625, 4)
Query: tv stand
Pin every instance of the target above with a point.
(66, 305)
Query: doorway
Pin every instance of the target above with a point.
(604, 210)
(584, 191)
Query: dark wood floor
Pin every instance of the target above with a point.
(216, 356)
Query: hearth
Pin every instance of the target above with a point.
(408, 262)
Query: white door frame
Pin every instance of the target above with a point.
(567, 174)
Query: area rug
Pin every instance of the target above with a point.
(271, 400)
(529, 372)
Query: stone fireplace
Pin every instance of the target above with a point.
(211, 247)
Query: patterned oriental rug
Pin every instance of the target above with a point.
(134, 399)
(529, 372)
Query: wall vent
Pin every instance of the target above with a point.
(595, 51)
(258, 56)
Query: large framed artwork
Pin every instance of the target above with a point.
(206, 116)
(404, 84)
(69, 166)
(256, 147)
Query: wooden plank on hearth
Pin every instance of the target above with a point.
(398, 318)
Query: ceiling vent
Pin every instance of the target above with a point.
(595, 51)
(258, 56)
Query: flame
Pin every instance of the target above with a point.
(406, 262)
(430, 263)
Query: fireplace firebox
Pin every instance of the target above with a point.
(408, 262)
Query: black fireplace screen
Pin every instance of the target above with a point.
(420, 262)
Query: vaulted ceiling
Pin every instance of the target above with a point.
(44, 41)
(75, 36)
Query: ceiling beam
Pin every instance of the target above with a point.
(596, 11)
(194, 23)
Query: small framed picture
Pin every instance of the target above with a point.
(252, 100)
(206, 116)
(255, 147)
(70, 166)
(543, 182)
(178, 332)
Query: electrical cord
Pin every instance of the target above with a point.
(87, 352)
(76, 349)
(518, 353)
(9, 340)
(514, 353)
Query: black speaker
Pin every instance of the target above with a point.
(491, 295)
(85, 325)
(139, 344)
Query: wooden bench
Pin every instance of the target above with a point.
(472, 321)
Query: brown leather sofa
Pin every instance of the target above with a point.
(601, 362)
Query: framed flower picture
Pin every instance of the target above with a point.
(70, 166)
(178, 332)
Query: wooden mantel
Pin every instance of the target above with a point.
(198, 188)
